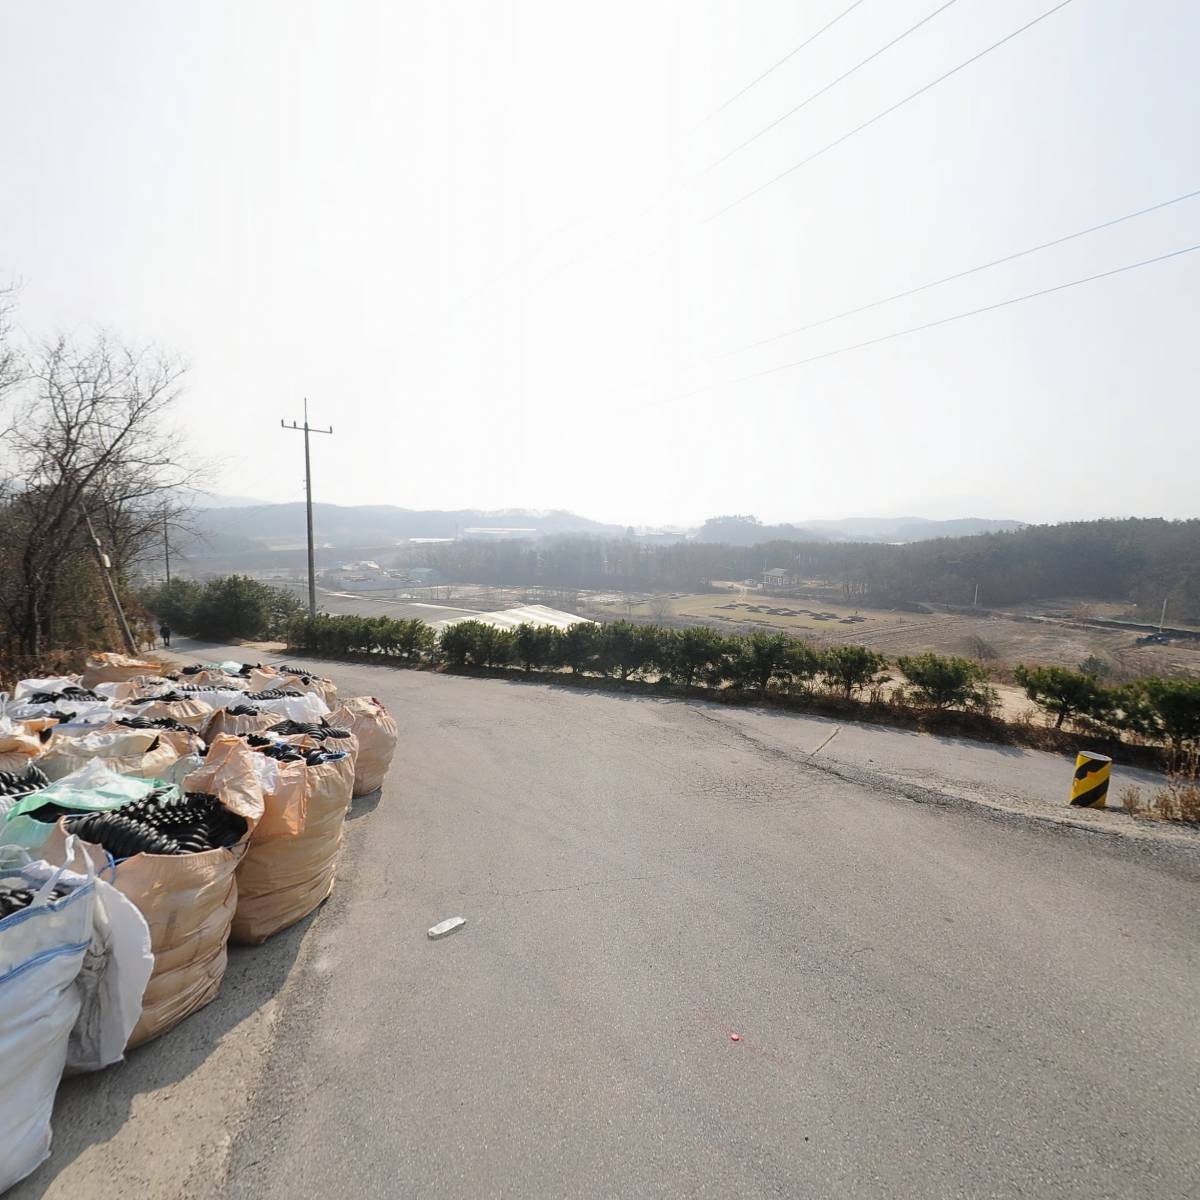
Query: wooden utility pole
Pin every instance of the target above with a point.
(312, 575)
(105, 565)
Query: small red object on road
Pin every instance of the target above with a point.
(735, 1037)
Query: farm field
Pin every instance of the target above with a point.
(1031, 635)
(996, 639)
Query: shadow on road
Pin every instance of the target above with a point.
(363, 806)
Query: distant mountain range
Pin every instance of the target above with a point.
(240, 533)
(748, 531)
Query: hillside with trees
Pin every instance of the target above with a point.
(88, 475)
(1140, 561)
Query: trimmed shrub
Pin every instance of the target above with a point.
(945, 681)
(850, 668)
(1063, 693)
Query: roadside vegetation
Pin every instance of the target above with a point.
(230, 606)
(1154, 721)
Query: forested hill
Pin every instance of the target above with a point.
(749, 531)
(1136, 560)
(1139, 560)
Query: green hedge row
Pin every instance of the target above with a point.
(1166, 710)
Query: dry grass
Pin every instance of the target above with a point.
(1178, 800)
(54, 662)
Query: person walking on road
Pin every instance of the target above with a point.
(164, 631)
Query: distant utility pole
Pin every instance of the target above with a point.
(167, 549)
(1162, 619)
(312, 574)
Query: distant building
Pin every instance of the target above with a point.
(494, 531)
(777, 577)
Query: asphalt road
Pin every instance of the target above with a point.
(930, 1000)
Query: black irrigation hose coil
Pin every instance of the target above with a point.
(155, 723)
(13, 899)
(314, 729)
(77, 694)
(171, 697)
(273, 694)
(161, 823)
(306, 673)
(283, 752)
(21, 783)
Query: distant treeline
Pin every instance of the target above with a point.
(1141, 561)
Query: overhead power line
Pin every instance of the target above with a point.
(973, 312)
(791, 112)
(790, 54)
(995, 262)
(899, 333)
(890, 109)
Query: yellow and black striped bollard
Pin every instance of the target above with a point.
(1090, 785)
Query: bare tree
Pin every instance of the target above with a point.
(11, 364)
(91, 440)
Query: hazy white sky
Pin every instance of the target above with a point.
(476, 235)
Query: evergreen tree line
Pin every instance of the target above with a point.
(1166, 711)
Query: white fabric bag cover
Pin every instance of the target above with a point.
(52, 683)
(116, 968)
(306, 708)
(41, 952)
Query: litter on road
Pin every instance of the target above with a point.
(450, 925)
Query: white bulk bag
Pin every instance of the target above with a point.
(41, 953)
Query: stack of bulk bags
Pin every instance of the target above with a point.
(376, 732)
(116, 668)
(141, 752)
(189, 896)
(289, 868)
